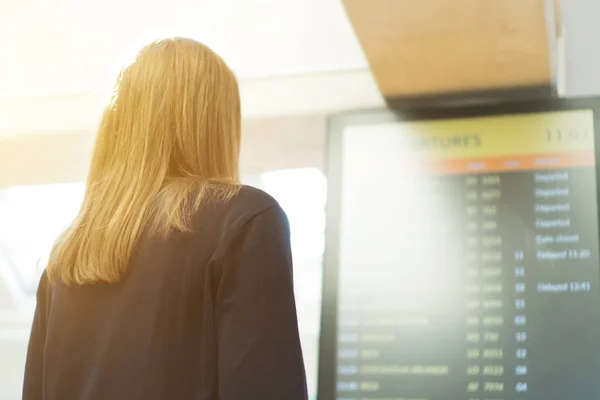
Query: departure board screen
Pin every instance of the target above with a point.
(463, 260)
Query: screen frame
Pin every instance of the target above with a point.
(326, 389)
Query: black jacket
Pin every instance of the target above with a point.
(202, 315)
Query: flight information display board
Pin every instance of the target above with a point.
(462, 256)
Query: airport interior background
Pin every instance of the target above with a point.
(298, 61)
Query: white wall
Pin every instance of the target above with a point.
(315, 93)
(582, 48)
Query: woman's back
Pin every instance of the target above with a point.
(206, 314)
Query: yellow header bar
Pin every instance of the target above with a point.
(492, 136)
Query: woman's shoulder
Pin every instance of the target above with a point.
(241, 201)
(255, 197)
(250, 212)
(233, 206)
(251, 201)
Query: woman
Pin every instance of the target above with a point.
(174, 281)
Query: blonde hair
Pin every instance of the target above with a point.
(168, 140)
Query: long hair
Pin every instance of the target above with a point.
(168, 140)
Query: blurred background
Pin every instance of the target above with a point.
(298, 62)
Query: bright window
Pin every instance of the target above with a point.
(31, 217)
(302, 194)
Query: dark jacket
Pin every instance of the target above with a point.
(202, 315)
